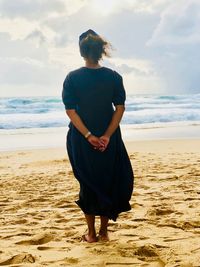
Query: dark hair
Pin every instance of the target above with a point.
(94, 47)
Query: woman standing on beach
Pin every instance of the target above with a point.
(94, 144)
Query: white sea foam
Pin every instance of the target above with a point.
(142, 111)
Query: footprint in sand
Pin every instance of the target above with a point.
(62, 220)
(191, 198)
(17, 259)
(184, 225)
(136, 205)
(146, 253)
(44, 248)
(38, 199)
(160, 211)
(19, 234)
(69, 233)
(139, 219)
(37, 240)
(64, 204)
(20, 221)
(70, 173)
(62, 173)
(51, 248)
(174, 239)
(71, 260)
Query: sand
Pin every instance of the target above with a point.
(40, 225)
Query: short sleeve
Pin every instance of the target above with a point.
(68, 94)
(119, 95)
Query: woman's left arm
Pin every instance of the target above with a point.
(116, 118)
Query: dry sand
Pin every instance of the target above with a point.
(40, 225)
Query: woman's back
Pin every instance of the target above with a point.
(93, 92)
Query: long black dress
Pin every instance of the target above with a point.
(105, 178)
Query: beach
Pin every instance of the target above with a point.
(40, 224)
(91, 66)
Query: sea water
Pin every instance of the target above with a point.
(142, 111)
(41, 122)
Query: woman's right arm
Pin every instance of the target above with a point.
(78, 123)
(70, 101)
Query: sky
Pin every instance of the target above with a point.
(155, 44)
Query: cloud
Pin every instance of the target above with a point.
(176, 45)
(131, 66)
(156, 42)
(30, 9)
(146, 6)
(68, 28)
(139, 76)
(36, 36)
(23, 64)
(26, 71)
(179, 25)
(65, 30)
(126, 29)
(20, 49)
(124, 68)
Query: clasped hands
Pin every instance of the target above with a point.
(99, 143)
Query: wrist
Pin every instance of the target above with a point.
(107, 135)
(87, 134)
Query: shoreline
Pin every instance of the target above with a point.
(161, 146)
(44, 138)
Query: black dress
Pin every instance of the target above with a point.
(105, 178)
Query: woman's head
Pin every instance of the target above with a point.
(93, 47)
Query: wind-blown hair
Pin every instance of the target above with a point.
(94, 47)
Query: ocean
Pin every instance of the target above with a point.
(142, 111)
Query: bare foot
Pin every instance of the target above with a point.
(103, 235)
(89, 239)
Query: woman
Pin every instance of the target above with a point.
(94, 144)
